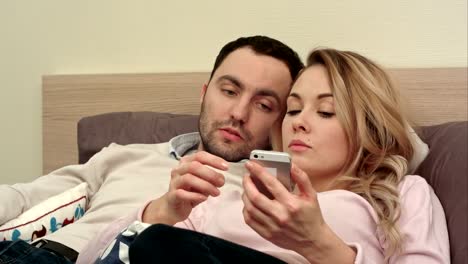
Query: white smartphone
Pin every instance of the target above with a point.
(277, 164)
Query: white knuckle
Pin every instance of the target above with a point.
(293, 208)
(194, 167)
(282, 220)
(200, 155)
(268, 235)
(173, 173)
(255, 198)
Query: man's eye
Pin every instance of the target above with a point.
(293, 112)
(264, 107)
(326, 114)
(228, 92)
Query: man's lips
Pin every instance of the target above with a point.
(298, 145)
(231, 134)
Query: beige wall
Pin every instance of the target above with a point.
(57, 36)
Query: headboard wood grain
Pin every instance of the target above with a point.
(434, 96)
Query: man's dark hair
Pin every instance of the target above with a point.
(264, 46)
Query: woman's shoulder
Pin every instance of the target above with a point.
(416, 195)
(344, 202)
(413, 185)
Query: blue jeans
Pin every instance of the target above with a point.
(20, 252)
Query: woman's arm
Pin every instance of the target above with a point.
(422, 225)
(292, 221)
(328, 249)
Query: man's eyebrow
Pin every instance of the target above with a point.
(231, 79)
(258, 92)
(267, 92)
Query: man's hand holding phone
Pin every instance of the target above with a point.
(192, 182)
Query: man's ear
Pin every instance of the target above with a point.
(203, 92)
(275, 136)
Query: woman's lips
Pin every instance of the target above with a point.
(298, 146)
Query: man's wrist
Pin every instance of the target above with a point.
(156, 212)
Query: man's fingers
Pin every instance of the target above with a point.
(190, 197)
(195, 184)
(207, 159)
(201, 171)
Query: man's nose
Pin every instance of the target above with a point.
(240, 111)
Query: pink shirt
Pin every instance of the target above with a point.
(422, 224)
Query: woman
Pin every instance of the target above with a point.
(344, 129)
(352, 204)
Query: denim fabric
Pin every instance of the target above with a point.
(20, 252)
(167, 244)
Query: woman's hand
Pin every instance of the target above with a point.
(291, 220)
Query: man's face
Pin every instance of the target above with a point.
(244, 98)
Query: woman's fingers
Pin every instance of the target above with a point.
(272, 209)
(302, 181)
(275, 187)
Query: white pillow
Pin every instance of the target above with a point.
(421, 150)
(47, 216)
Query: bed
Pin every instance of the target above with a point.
(83, 113)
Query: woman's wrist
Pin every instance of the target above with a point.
(328, 248)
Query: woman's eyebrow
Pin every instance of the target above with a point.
(320, 96)
(323, 95)
(295, 95)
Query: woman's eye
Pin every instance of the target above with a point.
(325, 114)
(293, 112)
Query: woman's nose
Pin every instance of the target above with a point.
(299, 124)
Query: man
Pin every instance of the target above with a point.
(243, 99)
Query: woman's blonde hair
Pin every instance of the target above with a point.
(367, 104)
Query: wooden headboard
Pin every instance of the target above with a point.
(434, 96)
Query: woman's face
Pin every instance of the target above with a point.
(311, 132)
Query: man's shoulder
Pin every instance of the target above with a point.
(137, 149)
(141, 146)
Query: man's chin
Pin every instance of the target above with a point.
(229, 152)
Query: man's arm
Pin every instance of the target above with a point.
(98, 244)
(191, 183)
(18, 198)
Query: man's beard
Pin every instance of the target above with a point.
(226, 149)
